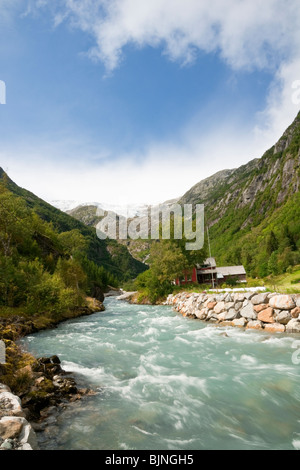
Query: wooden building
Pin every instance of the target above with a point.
(209, 273)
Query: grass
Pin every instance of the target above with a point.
(288, 283)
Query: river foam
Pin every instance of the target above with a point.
(167, 382)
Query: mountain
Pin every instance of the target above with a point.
(112, 256)
(253, 212)
(247, 206)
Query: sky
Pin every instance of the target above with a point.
(131, 101)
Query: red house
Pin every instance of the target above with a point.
(209, 273)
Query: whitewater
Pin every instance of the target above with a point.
(165, 382)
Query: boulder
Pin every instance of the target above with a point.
(10, 428)
(211, 305)
(10, 405)
(295, 312)
(259, 308)
(266, 316)
(201, 314)
(260, 299)
(219, 308)
(284, 317)
(231, 314)
(240, 322)
(283, 302)
(254, 325)
(238, 305)
(293, 326)
(275, 328)
(248, 312)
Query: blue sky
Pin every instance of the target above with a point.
(126, 101)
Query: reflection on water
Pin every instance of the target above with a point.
(166, 382)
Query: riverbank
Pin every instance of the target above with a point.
(272, 312)
(40, 385)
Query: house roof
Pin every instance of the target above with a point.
(225, 271)
(209, 262)
(231, 270)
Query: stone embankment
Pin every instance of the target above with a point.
(15, 431)
(252, 310)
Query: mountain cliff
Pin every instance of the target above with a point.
(244, 207)
(253, 212)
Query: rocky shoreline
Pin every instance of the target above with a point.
(33, 390)
(272, 312)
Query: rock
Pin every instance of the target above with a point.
(55, 360)
(260, 299)
(229, 305)
(254, 325)
(283, 302)
(25, 447)
(240, 322)
(201, 314)
(248, 312)
(238, 306)
(28, 435)
(221, 316)
(7, 445)
(266, 316)
(211, 305)
(231, 314)
(284, 317)
(293, 326)
(275, 328)
(10, 428)
(219, 308)
(260, 308)
(10, 405)
(295, 312)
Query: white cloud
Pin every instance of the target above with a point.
(247, 35)
(164, 170)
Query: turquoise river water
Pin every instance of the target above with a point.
(165, 382)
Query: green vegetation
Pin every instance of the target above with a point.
(42, 271)
(168, 260)
(113, 257)
(254, 212)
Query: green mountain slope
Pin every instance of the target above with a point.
(112, 256)
(254, 211)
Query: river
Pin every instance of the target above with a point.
(165, 382)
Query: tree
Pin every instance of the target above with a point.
(167, 261)
(272, 243)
